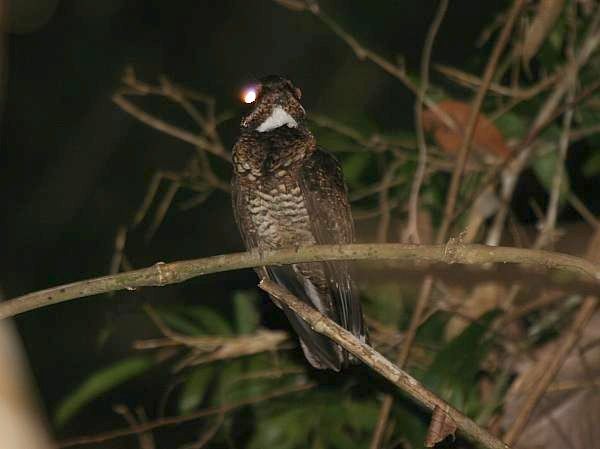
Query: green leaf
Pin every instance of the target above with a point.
(210, 321)
(354, 166)
(511, 125)
(454, 369)
(385, 303)
(246, 314)
(361, 415)
(176, 320)
(544, 167)
(592, 165)
(589, 117)
(98, 383)
(432, 331)
(337, 438)
(288, 429)
(194, 388)
(434, 195)
(551, 54)
(235, 386)
(230, 372)
(412, 428)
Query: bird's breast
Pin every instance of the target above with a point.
(279, 214)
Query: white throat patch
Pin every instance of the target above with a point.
(277, 118)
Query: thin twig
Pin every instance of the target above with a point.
(173, 420)
(463, 154)
(451, 198)
(146, 439)
(544, 300)
(373, 213)
(573, 385)
(119, 247)
(583, 211)
(402, 149)
(180, 95)
(167, 128)
(385, 206)
(209, 348)
(516, 162)
(415, 322)
(162, 209)
(375, 142)
(379, 363)
(519, 93)
(382, 421)
(207, 435)
(547, 112)
(551, 364)
(469, 132)
(411, 234)
(583, 133)
(546, 234)
(363, 52)
(151, 192)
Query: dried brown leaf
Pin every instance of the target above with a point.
(488, 141)
(440, 427)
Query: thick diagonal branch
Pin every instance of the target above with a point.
(383, 366)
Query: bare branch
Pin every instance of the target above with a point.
(466, 79)
(379, 363)
(363, 53)
(385, 206)
(547, 112)
(411, 234)
(173, 420)
(167, 128)
(161, 274)
(463, 153)
(546, 234)
(451, 198)
(550, 365)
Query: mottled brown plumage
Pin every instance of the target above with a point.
(287, 192)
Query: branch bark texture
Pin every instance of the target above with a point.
(383, 366)
(161, 273)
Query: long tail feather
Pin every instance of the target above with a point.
(320, 351)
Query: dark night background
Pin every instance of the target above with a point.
(73, 166)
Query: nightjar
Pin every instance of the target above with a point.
(288, 192)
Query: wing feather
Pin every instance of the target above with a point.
(245, 225)
(326, 198)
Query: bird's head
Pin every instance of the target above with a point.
(275, 103)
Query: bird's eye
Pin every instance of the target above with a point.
(249, 94)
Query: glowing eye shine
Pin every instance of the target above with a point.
(249, 95)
